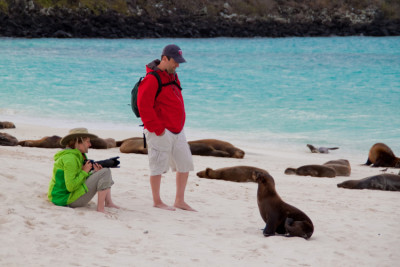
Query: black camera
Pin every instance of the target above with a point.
(107, 163)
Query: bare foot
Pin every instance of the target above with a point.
(112, 205)
(163, 206)
(183, 206)
(103, 211)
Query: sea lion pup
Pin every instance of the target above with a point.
(8, 140)
(133, 145)
(240, 174)
(380, 155)
(313, 170)
(341, 166)
(216, 148)
(386, 181)
(279, 216)
(6, 125)
(45, 142)
(321, 149)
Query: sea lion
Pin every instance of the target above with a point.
(332, 168)
(238, 174)
(386, 181)
(6, 125)
(313, 170)
(341, 166)
(279, 216)
(321, 149)
(100, 143)
(380, 155)
(133, 145)
(45, 142)
(8, 140)
(216, 148)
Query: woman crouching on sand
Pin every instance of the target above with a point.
(73, 183)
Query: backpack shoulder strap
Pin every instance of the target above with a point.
(173, 82)
(154, 73)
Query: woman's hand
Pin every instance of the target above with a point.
(87, 166)
(97, 167)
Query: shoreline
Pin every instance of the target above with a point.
(352, 227)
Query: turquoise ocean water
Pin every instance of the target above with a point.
(261, 92)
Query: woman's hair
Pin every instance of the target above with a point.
(74, 142)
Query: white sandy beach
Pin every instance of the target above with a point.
(352, 227)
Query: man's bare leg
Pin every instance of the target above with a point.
(181, 181)
(155, 182)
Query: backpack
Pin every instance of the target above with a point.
(135, 90)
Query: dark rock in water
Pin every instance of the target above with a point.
(62, 34)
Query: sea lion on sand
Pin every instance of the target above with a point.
(6, 125)
(313, 170)
(238, 174)
(100, 143)
(380, 155)
(133, 145)
(216, 148)
(45, 142)
(8, 140)
(279, 216)
(341, 166)
(388, 182)
(322, 149)
(333, 168)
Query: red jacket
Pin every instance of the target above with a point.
(165, 112)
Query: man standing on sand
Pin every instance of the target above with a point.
(163, 116)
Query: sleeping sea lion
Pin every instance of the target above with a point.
(332, 168)
(133, 145)
(216, 148)
(6, 125)
(45, 142)
(388, 182)
(234, 174)
(380, 155)
(8, 140)
(321, 149)
(100, 143)
(279, 216)
(341, 166)
(313, 170)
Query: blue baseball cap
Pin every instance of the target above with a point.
(175, 52)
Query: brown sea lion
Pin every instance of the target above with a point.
(216, 148)
(313, 170)
(341, 166)
(388, 182)
(380, 155)
(321, 149)
(238, 174)
(45, 142)
(133, 145)
(6, 125)
(100, 143)
(8, 140)
(279, 216)
(332, 168)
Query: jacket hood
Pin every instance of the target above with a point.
(65, 152)
(152, 66)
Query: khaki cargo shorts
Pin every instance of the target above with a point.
(169, 150)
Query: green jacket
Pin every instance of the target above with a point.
(68, 181)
